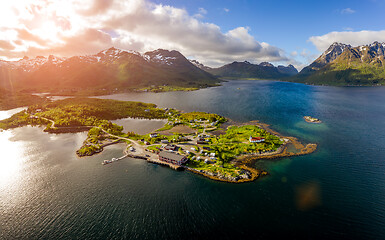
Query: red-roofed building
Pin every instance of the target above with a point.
(256, 139)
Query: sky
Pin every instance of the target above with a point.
(214, 32)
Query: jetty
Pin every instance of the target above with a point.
(148, 159)
(172, 166)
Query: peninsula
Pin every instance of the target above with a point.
(203, 143)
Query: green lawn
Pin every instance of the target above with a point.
(227, 169)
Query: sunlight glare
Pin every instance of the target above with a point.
(11, 158)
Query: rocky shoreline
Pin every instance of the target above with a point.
(311, 119)
(249, 175)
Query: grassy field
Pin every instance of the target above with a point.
(226, 169)
(83, 112)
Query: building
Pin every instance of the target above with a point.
(152, 135)
(202, 141)
(173, 158)
(170, 147)
(256, 139)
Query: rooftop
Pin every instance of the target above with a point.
(171, 156)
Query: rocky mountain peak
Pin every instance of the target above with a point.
(334, 51)
(266, 64)
(165, 57)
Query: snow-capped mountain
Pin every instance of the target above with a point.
(106, 69)
(343, 64)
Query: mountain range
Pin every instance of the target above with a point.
(109, 69)
(344, 65)
(117, 70)
(247, 70)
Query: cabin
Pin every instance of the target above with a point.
(256, 139)
(173, 158)
(170, 147)
(152, 135)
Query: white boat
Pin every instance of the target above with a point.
(106, 162)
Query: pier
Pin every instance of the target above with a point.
(172, 166)
(150, 160)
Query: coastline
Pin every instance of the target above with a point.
(244, 162)
(241, 166)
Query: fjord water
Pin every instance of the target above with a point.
(46, 192)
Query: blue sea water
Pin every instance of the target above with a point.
(338, 192)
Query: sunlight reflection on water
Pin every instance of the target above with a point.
(9, 113)
(11, 158)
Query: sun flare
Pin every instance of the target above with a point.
(11, 158)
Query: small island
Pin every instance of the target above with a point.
(312, 119)
(203, 143)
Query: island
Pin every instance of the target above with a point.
(203, 143)
(312, 119)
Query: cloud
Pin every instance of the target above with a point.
(347, 37)
(98, 7)
(201, 13)
(347, 11)
(74, 27)
(226, 10)
(5, 45)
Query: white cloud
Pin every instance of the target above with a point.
(226, 10)
(202, 11)
(74, 27)
(348, 37)
(347, 11)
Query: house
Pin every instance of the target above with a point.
(164, 141)
(170, 147)
(256, 139)
(173, 158)
(152, 135)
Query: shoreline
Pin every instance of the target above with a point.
(245, 172)
(245, 162)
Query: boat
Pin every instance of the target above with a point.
(106, 162)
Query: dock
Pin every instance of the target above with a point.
(150, 160)
(172, 166)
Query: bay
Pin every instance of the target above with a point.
(47, 192)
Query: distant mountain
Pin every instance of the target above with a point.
(244, 70)
(109, 69)
(345, 65)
